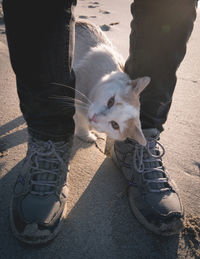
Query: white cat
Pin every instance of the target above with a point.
(107, 100)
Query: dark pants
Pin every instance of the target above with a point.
(159, 33)
(40, 39)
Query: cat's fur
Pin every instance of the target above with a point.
(113, 105)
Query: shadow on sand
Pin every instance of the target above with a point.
(99, 225)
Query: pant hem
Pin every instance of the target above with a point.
(46, 136)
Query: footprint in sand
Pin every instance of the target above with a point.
(105, 27)
(83, 17)
(92, 6)
(113, 23)
(94, 3)
(104, 12)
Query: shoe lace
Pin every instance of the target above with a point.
(147, 161)
(47, 167)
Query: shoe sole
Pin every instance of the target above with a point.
(164, 230)
(170, 229)
(39, 241)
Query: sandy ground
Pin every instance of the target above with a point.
(99, 223)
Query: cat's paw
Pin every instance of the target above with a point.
(89, 138)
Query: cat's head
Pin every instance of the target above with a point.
(115, 107)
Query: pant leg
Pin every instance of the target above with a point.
(40, 40)
(159, 33)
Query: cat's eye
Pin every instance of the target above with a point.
(115, 125)
(111, 102)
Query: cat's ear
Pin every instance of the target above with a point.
(138, 135)
(134, 131)
(139, 84)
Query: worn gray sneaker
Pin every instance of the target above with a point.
(40, 192)
(152, 193)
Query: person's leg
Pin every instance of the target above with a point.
(40, 39)
(159, 33)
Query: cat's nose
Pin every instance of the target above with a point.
(94, 118)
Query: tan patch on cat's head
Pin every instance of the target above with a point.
(136, 87)
(132, 99)
(134, 131)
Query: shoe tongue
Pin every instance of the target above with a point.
(45, 162)
(48, 163)
(44, 177)
(151, 133)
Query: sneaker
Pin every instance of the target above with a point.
(40, 192)
(152, 194)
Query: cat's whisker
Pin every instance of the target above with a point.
(71, 105)
(85, 108)
(66, 99)
(77, 101)
(67, 86)
(65, 108)
(82, 106)
(68, 104)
